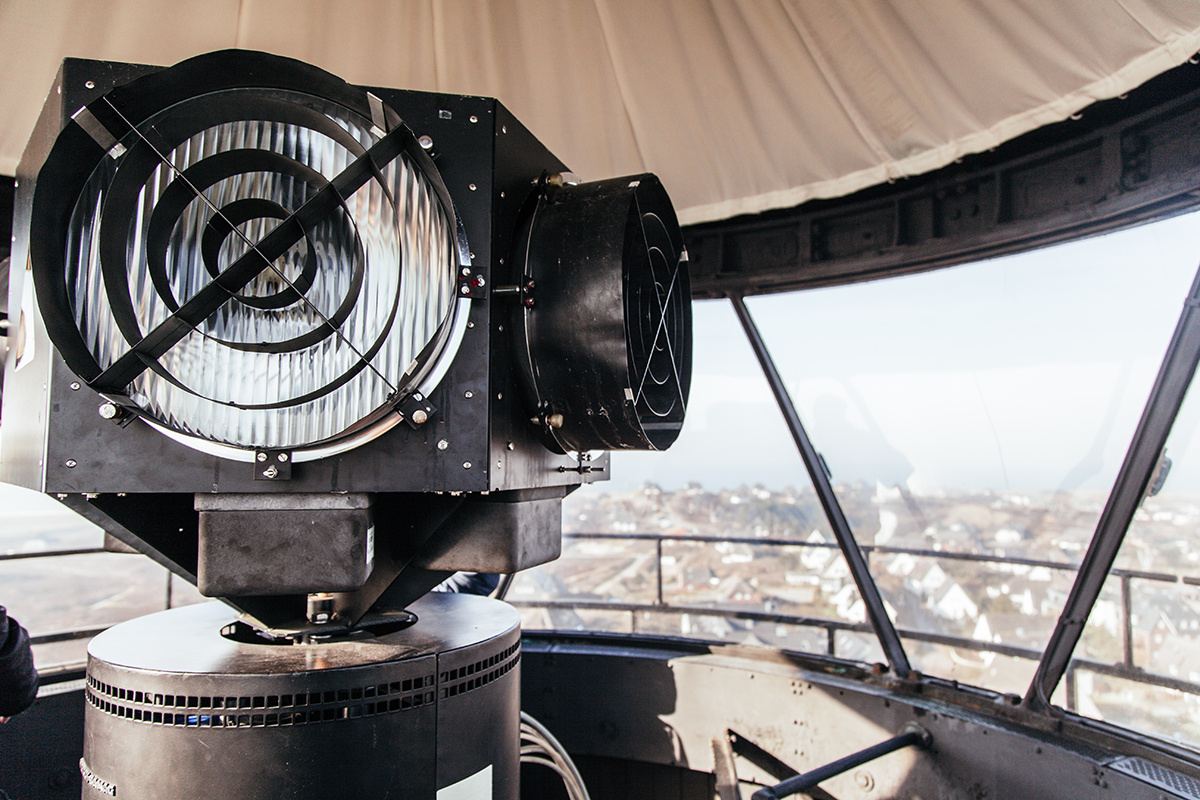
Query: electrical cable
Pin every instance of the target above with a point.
(538, 746)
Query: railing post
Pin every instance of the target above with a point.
(658, 572)
(1127, 617)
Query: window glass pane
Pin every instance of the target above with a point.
(33, 522)
(974, 419)
(1138, 662)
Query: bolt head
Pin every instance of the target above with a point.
(426, 141)
(109, 411)
(420, 417)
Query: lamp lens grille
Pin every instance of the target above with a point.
(265, 268)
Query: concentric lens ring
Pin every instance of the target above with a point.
(263, 269)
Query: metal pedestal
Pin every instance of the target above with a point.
(174, 709)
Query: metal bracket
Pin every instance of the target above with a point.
(416, 410)
(472, 284)
(272, 465)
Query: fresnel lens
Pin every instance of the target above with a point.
(329, 374)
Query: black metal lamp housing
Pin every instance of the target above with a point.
(380, 320)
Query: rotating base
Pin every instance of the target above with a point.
(433, 711)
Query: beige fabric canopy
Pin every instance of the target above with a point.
(738, 105)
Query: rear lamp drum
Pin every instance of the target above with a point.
(250, 254)
(605, 320)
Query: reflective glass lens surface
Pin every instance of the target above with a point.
(274, 272)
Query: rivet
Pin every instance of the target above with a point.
(90, 84)
(470, 324)
(468, 395)
(474, 118)
(420, 417)
(471, 186)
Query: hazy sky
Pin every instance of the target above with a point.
(1027, 372)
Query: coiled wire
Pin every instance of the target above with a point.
(538, 746)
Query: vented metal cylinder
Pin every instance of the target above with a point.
(174, 709)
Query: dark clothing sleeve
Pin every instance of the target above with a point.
(18, 677)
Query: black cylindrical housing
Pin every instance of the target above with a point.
(605, 315)
(174, 709)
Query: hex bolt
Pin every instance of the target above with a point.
(442, 444)
(71, 463)
(420, 417)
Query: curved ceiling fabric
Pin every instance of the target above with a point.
(740, 106)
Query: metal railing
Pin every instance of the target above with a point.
(1125, 668)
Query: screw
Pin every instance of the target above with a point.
(466, 465)
(271, 472)
(468, 395)
(75, 386)
(426, 141)
(261, 456)
(283, 457)
(443, 444)
(466, 271)
(71, 463)
(109, 411)
(465, 289)
(420, 417)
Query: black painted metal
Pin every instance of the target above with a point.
(913, 738)
(1120, 162)
(604, 315)
(1137, 471)
(176, 710)
(867, 590)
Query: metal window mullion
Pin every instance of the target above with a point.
(1141, 460)
(867, 590)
